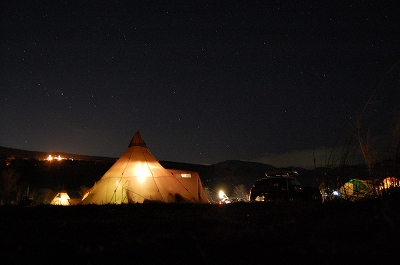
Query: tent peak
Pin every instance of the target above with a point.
(137, 140)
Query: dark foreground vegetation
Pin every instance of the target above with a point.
(337, 232)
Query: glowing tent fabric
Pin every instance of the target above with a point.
(61, 198)
(355, 188)
(191, 180)
(137, 177)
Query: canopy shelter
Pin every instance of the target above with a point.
(137, 177)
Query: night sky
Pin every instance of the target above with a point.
(202, 81)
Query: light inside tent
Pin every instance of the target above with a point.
(116, 184)
(64, 199)
(61, 199)
(142, 171)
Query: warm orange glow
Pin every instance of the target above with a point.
(86, 193)
(58, 158)
(390, 182)
(61, 199)
(142, 171)
(64, 199)
(221, 194)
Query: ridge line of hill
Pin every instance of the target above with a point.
(9, 153)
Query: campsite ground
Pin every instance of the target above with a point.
(251, 233)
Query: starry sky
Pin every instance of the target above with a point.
(202, 81)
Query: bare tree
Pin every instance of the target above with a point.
(8, 185)
(241, 192)
(368, 150)
(44, 196)
(210, 194)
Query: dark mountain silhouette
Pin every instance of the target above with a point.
(84, 170)
(12, 153)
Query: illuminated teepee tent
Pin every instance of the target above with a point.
(61, 198)
(137, 177)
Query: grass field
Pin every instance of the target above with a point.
(239, 233)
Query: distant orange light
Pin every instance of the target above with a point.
(58, 158)
(389, 182)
